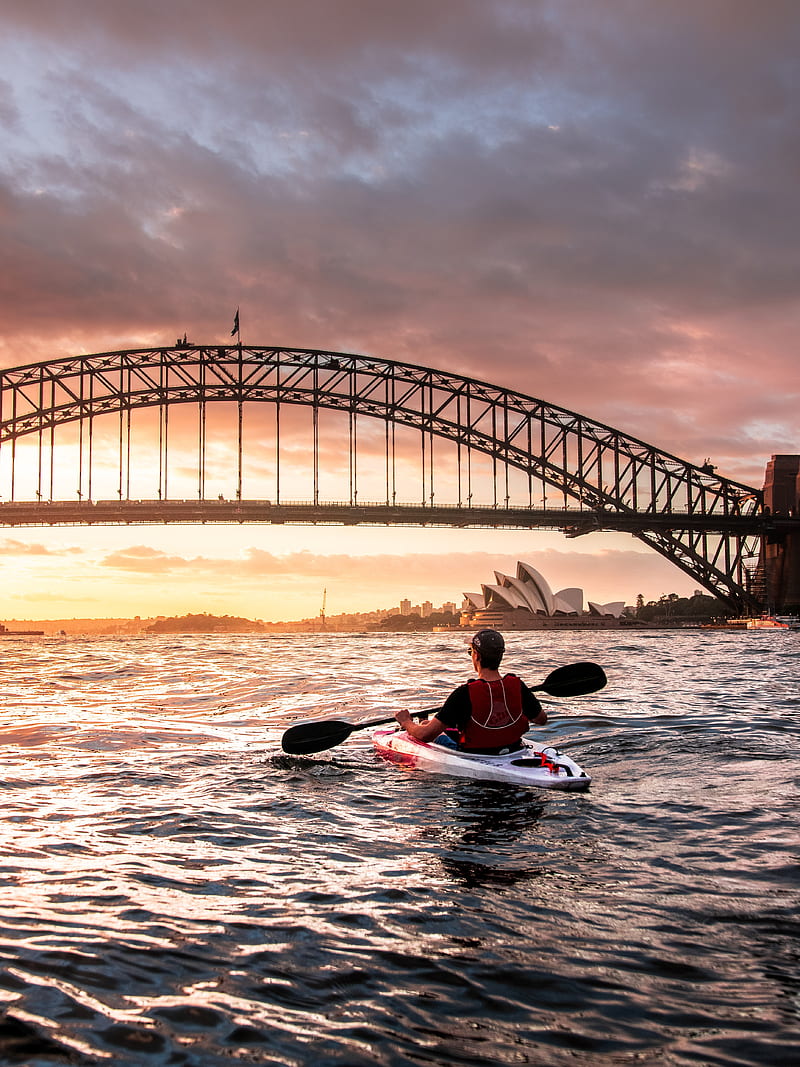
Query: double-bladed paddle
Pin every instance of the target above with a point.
(573, 680)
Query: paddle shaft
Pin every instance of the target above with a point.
(384, 722)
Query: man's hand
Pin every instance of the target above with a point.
(420, 731)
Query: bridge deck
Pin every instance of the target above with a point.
(572, 521)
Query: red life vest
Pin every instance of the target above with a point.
(497, 720)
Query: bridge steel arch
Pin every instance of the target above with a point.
(710, 527)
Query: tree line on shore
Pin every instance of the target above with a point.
(669, 607)
(204, 623)
(699, 606)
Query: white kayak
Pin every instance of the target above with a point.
(542, 766)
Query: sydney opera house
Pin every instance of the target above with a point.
(526, 602)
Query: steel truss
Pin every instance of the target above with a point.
(708, 526)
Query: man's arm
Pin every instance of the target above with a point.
(455, 712)
(534, 712)
(420, 731)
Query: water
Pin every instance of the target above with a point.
(175, 890)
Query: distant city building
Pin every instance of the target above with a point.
(405, 607)
(449, 607)
(427, 609)
(526, 602)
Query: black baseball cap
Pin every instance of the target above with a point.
(488, 642)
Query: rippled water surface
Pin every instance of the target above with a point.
(176, 890)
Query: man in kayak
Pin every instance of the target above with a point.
(489, 714)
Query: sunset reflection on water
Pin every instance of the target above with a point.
(176, 886)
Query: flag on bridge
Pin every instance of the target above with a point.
(235, 330)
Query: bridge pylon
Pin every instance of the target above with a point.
(780, 552)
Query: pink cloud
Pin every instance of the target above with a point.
(11, 547)
(606, 574)
(595, 210)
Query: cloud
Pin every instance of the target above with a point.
(418, 575)
(9, 113)
(147, 560)
(33, 597)
(590, 207)
(10, 547)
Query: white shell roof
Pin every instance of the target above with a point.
(530, 591)
(527, 573)
(476, 600)
(571, 599)
(615, 608)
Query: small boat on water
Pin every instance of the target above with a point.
(774, 622)
(537, 765)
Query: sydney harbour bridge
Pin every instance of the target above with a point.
(243, 434)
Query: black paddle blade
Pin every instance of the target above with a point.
(308, 737)
(574, 680)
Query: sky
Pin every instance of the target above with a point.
(591, 203)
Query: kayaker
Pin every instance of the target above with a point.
(489, 714)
